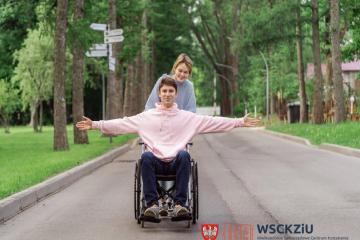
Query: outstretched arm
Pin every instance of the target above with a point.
(112, 127)
(206, 124)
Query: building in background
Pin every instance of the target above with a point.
(350, 73)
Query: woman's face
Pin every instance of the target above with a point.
(181, 72)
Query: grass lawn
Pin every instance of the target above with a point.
(346, 134)
(27, 158)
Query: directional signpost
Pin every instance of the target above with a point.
(104, 50)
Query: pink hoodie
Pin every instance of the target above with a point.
(167, 131)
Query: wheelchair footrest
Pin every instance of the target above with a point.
(150, 219)
(186, 217)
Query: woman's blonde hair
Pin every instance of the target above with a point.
(183, 58)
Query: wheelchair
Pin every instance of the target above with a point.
(166, 192)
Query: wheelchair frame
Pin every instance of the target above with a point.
(167, 194)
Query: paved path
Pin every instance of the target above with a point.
(246, 177)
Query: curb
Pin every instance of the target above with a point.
(288, 137)
(340, 149)
(15, 204)
(325, 146)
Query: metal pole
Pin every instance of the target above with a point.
(214, 93)
(103, 95)
(109, 53)
(267, 86)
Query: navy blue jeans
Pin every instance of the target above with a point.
(151, 166)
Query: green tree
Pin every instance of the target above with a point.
(34, 73)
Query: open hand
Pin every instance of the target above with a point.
(84, 125)
(250, 122)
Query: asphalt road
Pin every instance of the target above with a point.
(246, 177)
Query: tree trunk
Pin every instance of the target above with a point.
(80, 137)
(225, 103)
(152, 65)
(113, 85)
(234, 54)
(41, 111)
(303, 100)
(329, 85)
(228, 72)
(336, 61)
(146, 59)
(128, 89)
(234, 63)
(318, 115)
(6, 126)
(272, 103)
(60, 134)
(120, 89)
(5, 123)
(31, 123)
(138, 91)
(35, 117)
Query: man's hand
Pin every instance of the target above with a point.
(250, 122)
(84, 125)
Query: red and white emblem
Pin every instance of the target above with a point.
(209, 231)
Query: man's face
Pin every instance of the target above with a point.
(167, 95)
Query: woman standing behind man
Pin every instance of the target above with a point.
(181, 71)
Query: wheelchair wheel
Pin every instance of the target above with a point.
(195, 194)
(137, 193)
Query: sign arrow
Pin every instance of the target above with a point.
(114, 32)
(98, 26)
(114, 39)
(96, 53)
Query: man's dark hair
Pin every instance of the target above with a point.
(168, 81)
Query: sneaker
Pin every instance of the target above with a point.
(152, 212)
(180, 211)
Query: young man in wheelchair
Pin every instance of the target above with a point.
(165, 131)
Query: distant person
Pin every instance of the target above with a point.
(181, 72)
(166, 130)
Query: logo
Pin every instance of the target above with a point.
(209, 231)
